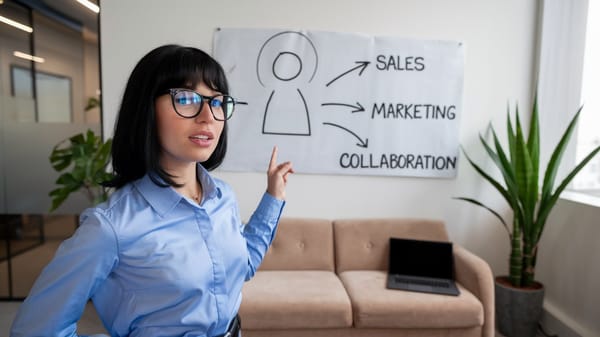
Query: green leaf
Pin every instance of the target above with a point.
(524, 173)
(527, 179)
(92, 103)
(67, 179)
(60, 158)
(555, 159)
(507, 171)
(473, 201)
(58, 199)
(547, 205)
(90, 139)
(77, 139)
(533, 143)
(512, 143)
(491, 180)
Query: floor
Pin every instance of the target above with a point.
(28, 263)
(28, 254)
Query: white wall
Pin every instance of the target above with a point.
(568, 264)
(500, 56)
(499, 38)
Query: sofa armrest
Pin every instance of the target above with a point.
(473, 273)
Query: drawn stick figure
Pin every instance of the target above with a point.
(281, 65)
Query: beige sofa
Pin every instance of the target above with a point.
(327, 278)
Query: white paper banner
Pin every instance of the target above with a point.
(340, 103)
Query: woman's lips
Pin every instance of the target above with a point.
(202, 139)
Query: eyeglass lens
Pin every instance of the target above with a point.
(188, 103)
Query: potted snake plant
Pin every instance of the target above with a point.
(519, 297)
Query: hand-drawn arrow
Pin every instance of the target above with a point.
(362, 65)
(362, 143)
(357, 108)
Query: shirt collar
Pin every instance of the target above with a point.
(164, 199)
(209, 186)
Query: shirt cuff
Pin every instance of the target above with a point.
(266, 216)
(270, 208)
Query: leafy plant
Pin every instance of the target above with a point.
(92, 103)
(519, 166)
(87, 156)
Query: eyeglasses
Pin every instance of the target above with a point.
(188, 104)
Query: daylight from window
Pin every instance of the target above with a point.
(589, 121)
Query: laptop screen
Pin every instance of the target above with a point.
(421, 258)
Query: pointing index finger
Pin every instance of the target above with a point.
(273, 162)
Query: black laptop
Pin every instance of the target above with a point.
(423, 266)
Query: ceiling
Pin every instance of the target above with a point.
(76, 11)
(68, 12)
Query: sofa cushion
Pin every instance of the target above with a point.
(374, 306)
(301, 244)
(363, 244)
(295, 299)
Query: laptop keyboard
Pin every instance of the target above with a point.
(432, 283)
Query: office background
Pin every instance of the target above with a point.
(502, 46)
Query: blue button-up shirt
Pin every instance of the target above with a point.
(154, 263)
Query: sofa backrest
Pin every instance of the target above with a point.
(301, 244)
(363, 244)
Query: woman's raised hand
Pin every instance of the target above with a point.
(277, 176)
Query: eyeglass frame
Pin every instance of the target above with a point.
(173, 91)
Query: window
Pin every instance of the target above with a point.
(564, 26)
(53, 94)
(588, 136)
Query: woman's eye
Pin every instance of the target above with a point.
(187, 99)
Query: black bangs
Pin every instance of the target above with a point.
(186, 67)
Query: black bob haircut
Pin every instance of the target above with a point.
(136, 148)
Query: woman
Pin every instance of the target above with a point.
(167, 254)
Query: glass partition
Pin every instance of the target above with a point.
(53, 93)
(47, 75)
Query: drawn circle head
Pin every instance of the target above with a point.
(286, 57)
(287, 66)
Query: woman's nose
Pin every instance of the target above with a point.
(205, 113)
